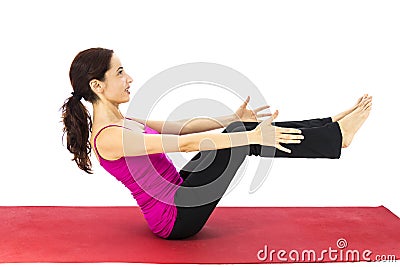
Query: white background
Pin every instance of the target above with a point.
(309, 59)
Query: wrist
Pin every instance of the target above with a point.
(254, 136)
(228, 119)
(232, 118)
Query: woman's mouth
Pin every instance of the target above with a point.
(127, 90)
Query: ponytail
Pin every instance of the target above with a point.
(77, 126)
(89, 64)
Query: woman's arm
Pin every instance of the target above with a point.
(113, 142)
(124, 142)
(187, 126)
(141, 144)
(196, 125)
(202, 124)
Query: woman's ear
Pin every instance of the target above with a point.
(96, 86)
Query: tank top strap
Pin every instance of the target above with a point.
(105, 127)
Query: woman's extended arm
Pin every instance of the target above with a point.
(187, 126)
(201, 124)
(136, 144)
(131, 143)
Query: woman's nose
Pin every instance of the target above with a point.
(130, 79)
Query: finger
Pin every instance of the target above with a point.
(288, 141)
(264, 114)
(273, 117)
(284, 149)
(261, 108)
(290, 136)
(288, 130)
(246, 101)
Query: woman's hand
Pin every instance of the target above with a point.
(273, 135)
(244, 114)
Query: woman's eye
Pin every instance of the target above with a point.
(120, 72)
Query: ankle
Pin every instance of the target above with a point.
(344, 134)
(341, 126)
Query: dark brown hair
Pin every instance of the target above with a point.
(89, 64)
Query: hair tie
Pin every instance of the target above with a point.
(76, 96)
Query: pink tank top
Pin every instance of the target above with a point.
(152, 180)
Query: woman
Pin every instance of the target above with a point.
(181, 210)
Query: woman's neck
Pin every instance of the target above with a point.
(106, 112)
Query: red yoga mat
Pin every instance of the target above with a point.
(231, 235)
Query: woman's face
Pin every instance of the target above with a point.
(117, 82)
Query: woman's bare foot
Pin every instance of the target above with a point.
(347, 112)
(351, 123)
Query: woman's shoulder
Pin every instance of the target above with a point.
(115, 128)
(106, 136)
(100, 139)
(99, 128)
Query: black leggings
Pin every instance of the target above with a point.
(322, 139)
